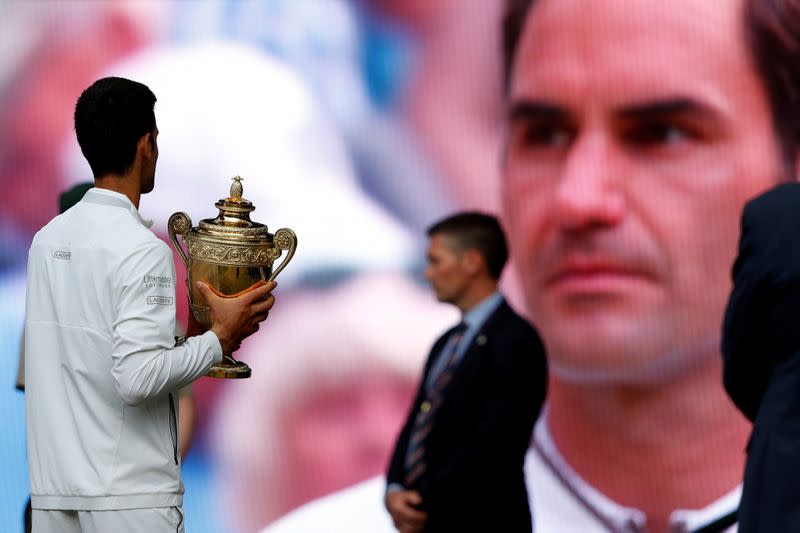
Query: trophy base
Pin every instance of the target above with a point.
(237, 370)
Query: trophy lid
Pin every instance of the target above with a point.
(233, 220)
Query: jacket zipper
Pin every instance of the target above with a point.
(173, 428)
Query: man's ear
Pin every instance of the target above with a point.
(473, 261)
(145, 145)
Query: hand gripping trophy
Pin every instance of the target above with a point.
(229, 253)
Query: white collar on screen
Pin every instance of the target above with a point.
(601, 511)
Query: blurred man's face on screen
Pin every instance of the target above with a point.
(637, 130)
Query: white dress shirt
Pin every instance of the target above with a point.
(561, 501)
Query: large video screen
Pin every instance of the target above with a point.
(358, 124)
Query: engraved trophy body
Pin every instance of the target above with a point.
(230, 253)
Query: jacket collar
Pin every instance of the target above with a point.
(111, 198)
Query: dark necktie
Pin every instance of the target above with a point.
(415, 460)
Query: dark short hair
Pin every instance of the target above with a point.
(478, 231)
(111, 116)
(773, 34)
(513, 23)
(772, 30)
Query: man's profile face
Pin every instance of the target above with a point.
(445, 271)
(637, 131)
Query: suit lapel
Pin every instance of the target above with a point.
(474, 357)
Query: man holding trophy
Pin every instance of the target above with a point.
(102, 363)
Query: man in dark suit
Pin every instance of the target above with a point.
(457, 465)
(761, 350)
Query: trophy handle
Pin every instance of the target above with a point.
(179, 224)
(285, 239)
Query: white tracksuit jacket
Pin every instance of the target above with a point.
(101, 362)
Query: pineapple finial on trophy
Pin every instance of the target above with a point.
(236, 189)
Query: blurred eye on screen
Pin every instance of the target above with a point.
(546, 136)
(654, 135)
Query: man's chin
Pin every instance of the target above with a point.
(630, 370)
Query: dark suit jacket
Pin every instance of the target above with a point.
(474, 480)
(761, 353)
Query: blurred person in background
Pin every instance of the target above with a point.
(491, 357)
(457, 463)
(336, 371)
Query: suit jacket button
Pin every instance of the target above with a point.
(425, 407)
(481, 340)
